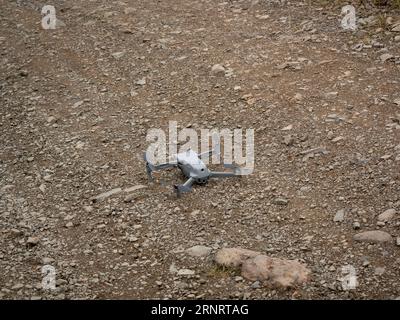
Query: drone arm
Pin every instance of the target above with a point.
(164, 166)
(151, 167)
(186, 187)
(236, 172)
(214, 174)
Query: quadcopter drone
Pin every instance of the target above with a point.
(194, 169)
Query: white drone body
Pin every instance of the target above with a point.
(193, 168)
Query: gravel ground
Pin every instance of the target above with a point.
(76, 105)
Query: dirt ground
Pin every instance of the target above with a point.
(76, 105)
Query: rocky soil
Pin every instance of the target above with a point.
(76, 105)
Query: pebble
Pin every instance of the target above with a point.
(218, 69)
(339, 216)
(118, 55)
(288, 140)
(185, 272)
(199, 251)
(385, 57)
(141, 82)
(387, 215)
(69, 225)
(32, 241)
(105, 195)
(375, 236)
(135, 188)
(287, 128)
(47, 260)
(379, 271)
(356, 225)
(281, 201)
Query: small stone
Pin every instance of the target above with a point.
(16, 232)
(42, 188)
(292, 65)
(337, 139)
(88, 208)
(255, 285)
(339, 216)
(218, 69)
(287, 128)
(69, 225)
(129, 10)
(172, 268)
(379, 271)
(387, 215)
(132, 239)
(60, 23)
(47, 260)
(17, 286)
(288, 140)
(356, 225)
(375, 236)
(199, 251)
(77, 104)
(134, 188)
(385, 57)
(396, 28)
(131, 197)
(281, 201)
(118, 55)
(105, 195)
(185, 272)
(386, 156)
(298, 97)
(32, 241)
(141, 82)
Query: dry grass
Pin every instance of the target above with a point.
(389, 4)
(221, 272)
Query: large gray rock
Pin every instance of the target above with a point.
(234, 257)
(258, 267)
(375, 236)
(387, 215)
(278, 272)
(199, 251)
